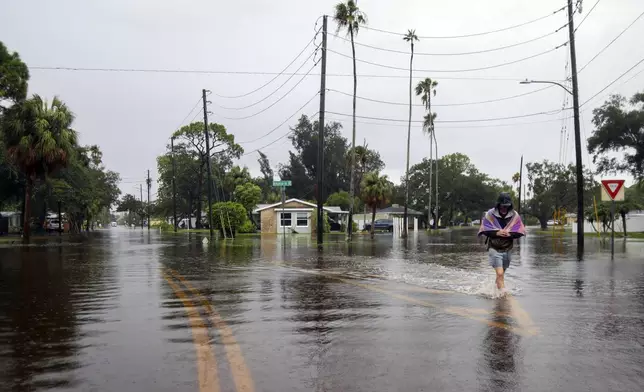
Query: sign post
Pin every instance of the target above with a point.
(612, 190)
(282, 184)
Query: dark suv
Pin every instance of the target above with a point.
(381, 224)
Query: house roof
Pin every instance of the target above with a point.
(9, 213)
(397, 210)
(332, 209)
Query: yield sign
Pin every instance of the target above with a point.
(614, 189)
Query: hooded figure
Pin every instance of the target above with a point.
(501, 225)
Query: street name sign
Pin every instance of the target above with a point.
(282, 183)
(612, 190)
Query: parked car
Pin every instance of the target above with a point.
(53, 225)
(381, 224)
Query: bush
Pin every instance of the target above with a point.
(247, 227)
(229, 216)
(164, 226)
(314, 222)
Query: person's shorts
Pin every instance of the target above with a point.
(499, 259)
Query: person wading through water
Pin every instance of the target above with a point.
(501, 225)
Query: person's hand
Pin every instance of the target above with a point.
(503, 233)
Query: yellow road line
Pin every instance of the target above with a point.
(241, 374)
(206, 362)
(460, 311)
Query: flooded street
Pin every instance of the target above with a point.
(130, 310)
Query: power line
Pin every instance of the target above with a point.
(551, 112)
(271, 105)
(453, 70)
(445, 104)
(276, 140)
(277, 75)
(460, 126)
(273, 92)
(613, 82)
(282, 123)
(472, 34)
(189, 113)
(449, 54)
(259, 73)
(587, 15)
(611, 42)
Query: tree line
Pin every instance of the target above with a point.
(42, 165)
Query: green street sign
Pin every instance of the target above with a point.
(282, 183)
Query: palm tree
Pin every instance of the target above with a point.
(409, 37)
(348, 15)
(39, 141)
(425, 89)
(376, 192)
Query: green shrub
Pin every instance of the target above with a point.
(314, 221)
(247, 227)
(229, 216)
(164, 226)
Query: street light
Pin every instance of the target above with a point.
(546, 82)
(579, 167)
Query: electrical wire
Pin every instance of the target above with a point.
(613, 82)
(551, 112)
(271, 105)
(276, 76)
(472, 34)
(453, 70)
(445, 104)
(189, 113)
(273, 92)
(611, 42)
(276, 140)
(214, 72)
(587, 15)
(448, 54)
(282, 123)
(456, 127)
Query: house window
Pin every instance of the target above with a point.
(285, 219)
(302, 219)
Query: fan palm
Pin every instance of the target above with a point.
(348, 16)
(376, 191)
(39, 141)
(409, 37)
(426, 89)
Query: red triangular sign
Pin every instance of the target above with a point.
(612, 187)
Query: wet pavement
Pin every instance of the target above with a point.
(130, 310)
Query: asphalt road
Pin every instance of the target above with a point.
(130, 310)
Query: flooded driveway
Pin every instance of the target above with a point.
(130, 310)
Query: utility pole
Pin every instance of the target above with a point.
(520, 181)
(174, 186)
(141, 214)
(320, 173)
(149, 183)
(578, 162)
(205, 129)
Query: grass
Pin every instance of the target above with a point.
(568, 233)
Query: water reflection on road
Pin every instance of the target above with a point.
(132, 310)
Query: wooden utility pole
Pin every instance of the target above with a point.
(578, 162)
(520, 181)
(149, 183)
(320, 171)
(174, 186)
(205, 129)
(141, 214)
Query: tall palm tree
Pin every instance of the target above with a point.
(425, 89)
(348, 16)
(409, 37)
(39, 141)
(376, 192)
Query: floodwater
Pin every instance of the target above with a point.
(130, 310)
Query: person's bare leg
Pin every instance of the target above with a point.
(500, 282)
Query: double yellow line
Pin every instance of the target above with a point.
(206, 361)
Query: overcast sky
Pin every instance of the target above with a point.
(131, 115)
